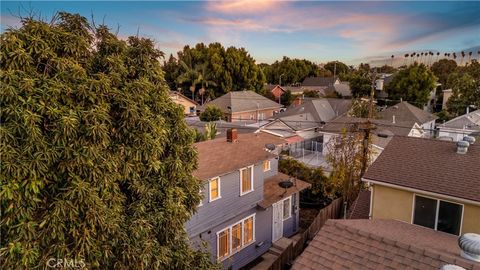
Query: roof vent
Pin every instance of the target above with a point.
(470, 246)
(451, 267)
(462, 147)
(469, 139)
(270, 146)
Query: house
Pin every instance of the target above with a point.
(276, 90)
(320, 81)
(447, 93)
(410, 116)
(457, 128)
(304, 120)
(386, 244)
(431, 183)
(221, 126)
(247, 203)
(245, 106)
(342, 89)
(189, 106)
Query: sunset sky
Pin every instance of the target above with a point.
(316, 30)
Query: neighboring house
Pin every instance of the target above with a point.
(245, 106)
(447, 93)
(383, 244)
(221, 126)
(276, 90)
(457, 128)
(303, 121)
(342, 89)
(189, 106)
(320, 81)
(244, 209)
(410, 117)
(426, 182)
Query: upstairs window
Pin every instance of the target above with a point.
(246, 180)
(437, 214)
(214, 187)
(287, 208)
(266, 165)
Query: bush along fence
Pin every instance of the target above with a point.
(332, 211)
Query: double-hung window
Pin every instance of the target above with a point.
(287, 208)
(437, 214)
(236, 237)
(266, 165)
(246, 180)
(214, 189)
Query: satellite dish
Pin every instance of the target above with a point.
(270, 146)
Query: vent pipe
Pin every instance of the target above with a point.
(462, 147)
(470, 246)
(393, 119)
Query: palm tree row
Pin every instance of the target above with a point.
(428, 58)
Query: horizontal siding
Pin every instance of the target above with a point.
(290, 226)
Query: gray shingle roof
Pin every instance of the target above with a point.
(406, 112)
(469, 121)
(429, 165)
(319, 81)
(242, 101)
(341, 88)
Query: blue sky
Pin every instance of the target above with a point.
(316, 30)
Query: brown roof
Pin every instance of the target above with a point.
(272, 192)
(380, 244)
(218, 157)
(360, 208)
(429, 165)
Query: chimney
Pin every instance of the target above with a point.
(393, 119)
(232, 135)
(462, 147)
(469, 244)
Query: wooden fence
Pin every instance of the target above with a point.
(332, 211)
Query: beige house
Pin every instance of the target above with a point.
(189, 106)
(428, 183)
(245, 106)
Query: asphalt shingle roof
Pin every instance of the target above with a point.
(469, 121)
(406, 112)
(429, 165)
(319, 81)
(380, 244)
(242, 101)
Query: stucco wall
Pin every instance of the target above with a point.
(390, 203)
(186, 104)
(252, 115)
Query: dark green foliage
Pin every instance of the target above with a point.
(310, 93)
(300, 171)
(97, 161)
(386, 69)
(360, 84)
(466, 92)
(443, 116)
(211, 113)
(412, 84)
(337, 68)
(293, 70)
(442, 69)
(225, 70)
(287, 98)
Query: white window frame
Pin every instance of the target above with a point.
(242, 246)
(289, 209)
(210, 190)
(251, 180)
(269, 165)
(201, 198)
(437, 210)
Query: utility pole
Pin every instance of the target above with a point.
(369, 126)
(280, 84)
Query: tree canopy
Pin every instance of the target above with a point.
(442, 69)
(211, 113)
(97, 161)
(337, 68)
(213, 68)
(292, 71)
(413, 84)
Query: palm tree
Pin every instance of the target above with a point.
(392, 59)
(203, 79)
(463, 56)
(470, 56)
(438, 55)
(406, 57)
(189, 75)
(455, 57)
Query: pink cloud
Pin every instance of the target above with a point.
(244, 6)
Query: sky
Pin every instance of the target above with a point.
(320, 31)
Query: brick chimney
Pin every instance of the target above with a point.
(232, 135)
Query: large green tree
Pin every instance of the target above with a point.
(442, 69)
(413, 84)
(337, 68)
(96, 160)
(225, 69)
(291, 71)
